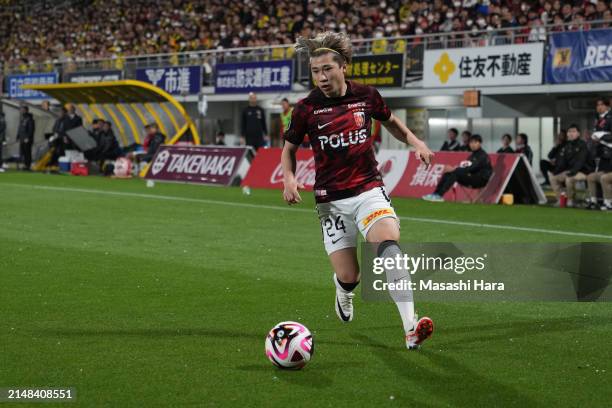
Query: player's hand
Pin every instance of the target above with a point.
(291, 194)
(424, 154)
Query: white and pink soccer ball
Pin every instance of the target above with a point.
(289, 345)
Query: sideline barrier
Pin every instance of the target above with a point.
(200, 164)
(405, 176)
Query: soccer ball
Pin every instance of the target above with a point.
(289, 345)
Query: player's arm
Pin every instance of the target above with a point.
(291, 185)
(401, 132)
(293, 136)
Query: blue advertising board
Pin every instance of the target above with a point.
(181, 80)
(14, 83)
(263, 76)
(580, 56)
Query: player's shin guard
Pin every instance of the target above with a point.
(403, 299)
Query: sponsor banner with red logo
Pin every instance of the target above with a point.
(418, 180)
(266, 170)
(198, 164)
(403, 173)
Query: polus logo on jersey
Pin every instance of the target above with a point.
(359, 118)
(341, 140)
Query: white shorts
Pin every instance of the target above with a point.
(341, 220)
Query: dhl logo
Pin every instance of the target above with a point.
(376, 214)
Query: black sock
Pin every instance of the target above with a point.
(348, 286)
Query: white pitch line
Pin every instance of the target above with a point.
(279, 208)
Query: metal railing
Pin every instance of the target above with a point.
(412, 46)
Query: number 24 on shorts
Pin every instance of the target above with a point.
(331, 224)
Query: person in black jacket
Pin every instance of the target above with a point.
(254, 129)
(152, 142)
(506, 141)
(108, 147)
(452, 144)
(547, 166)
(571, 165)
(602, 175)
(522, 146)
(475, 172)
(25, 136)
(71, 121)
(603, 121)
(59, 135)
(602, 137)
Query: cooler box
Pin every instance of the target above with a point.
(79, 169)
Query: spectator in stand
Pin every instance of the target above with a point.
(547, 166)
(506, 142)
(465, 141)
(25, 136)
(522, 146)
(72, 31)
(571, 165)
(451, 144)
(254, 129)
(475, 172)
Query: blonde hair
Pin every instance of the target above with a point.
(339, 44)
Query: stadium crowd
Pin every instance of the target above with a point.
(35, 32)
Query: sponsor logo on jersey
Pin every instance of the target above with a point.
(340, 140)
(356, 105)
(321, 126)
(323, 110)
(374, 215)
(359, 118)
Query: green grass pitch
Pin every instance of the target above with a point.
(158, 297)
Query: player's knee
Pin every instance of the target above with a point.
(383, 246)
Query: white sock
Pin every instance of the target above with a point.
(403, 299)
(608, 201)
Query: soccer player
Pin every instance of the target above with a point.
(348, 189)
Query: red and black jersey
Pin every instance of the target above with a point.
(340, 136)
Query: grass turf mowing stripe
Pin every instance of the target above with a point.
(277, 208)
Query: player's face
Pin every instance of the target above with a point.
(474, 145)
(328, 74)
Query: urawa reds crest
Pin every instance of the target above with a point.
(359, 118)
